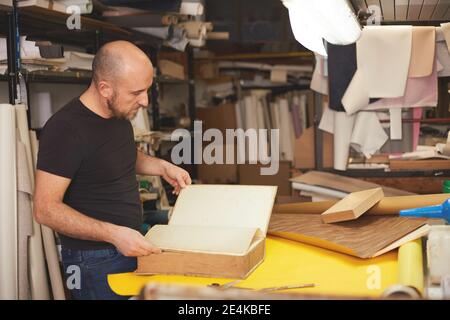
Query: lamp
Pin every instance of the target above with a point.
(315, 20)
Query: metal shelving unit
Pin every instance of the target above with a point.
(42, 24)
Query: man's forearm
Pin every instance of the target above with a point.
(148, 165)
(70, 222)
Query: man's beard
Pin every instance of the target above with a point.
(113, 107)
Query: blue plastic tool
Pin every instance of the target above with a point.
(441, 211)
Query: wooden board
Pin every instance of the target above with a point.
(419, 164)
(363, 238)
(353, 205)
(342, 183)
(304, 157)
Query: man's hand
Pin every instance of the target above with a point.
(131, 243)
(176, 176)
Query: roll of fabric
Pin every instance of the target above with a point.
(85, 6)
(192, 7)
(41, 109)
(24, 220)
(8, 204)
(286, 131)
(179, 39)
(158, 32)
(38, 274)
(48, 237)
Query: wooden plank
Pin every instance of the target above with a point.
(415, 6)
(401, 10)
(363, 238)
(353, 205)
(419, 185)
(342, 183)
(428, 8)
(419, 164)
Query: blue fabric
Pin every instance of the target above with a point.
(86, 272)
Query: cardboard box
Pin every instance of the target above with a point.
(171, 69)
(206, 69)
(217, 173)
(220, 117)
(214, 231)
(250, 174)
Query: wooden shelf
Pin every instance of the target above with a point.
(42, 24)
(82, 76)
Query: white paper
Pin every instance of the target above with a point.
(343, 128)
(41, 109)
(8, 204)
(396, 123)
(368, 135)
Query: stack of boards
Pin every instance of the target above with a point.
(343, 228)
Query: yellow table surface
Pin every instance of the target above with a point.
(288, 262)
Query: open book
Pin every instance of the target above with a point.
(216, 219)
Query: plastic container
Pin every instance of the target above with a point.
(438, 253)
(446, 186)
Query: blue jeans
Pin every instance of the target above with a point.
(86, 272)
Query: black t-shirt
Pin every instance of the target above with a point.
(99, 155)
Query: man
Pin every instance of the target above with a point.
(86, 188)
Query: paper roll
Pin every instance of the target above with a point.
(159, 32)
(386, 206)
(141, 120)
(24, 220)
(251, 120)
(41, 109)
(8, 204)
(286, 131)
(48, 237)
(343, 128)
(410, 265)
(191, 8)
(395, 124)
(38, 274)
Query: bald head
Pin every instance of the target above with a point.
(117, 60)
(122, 76)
